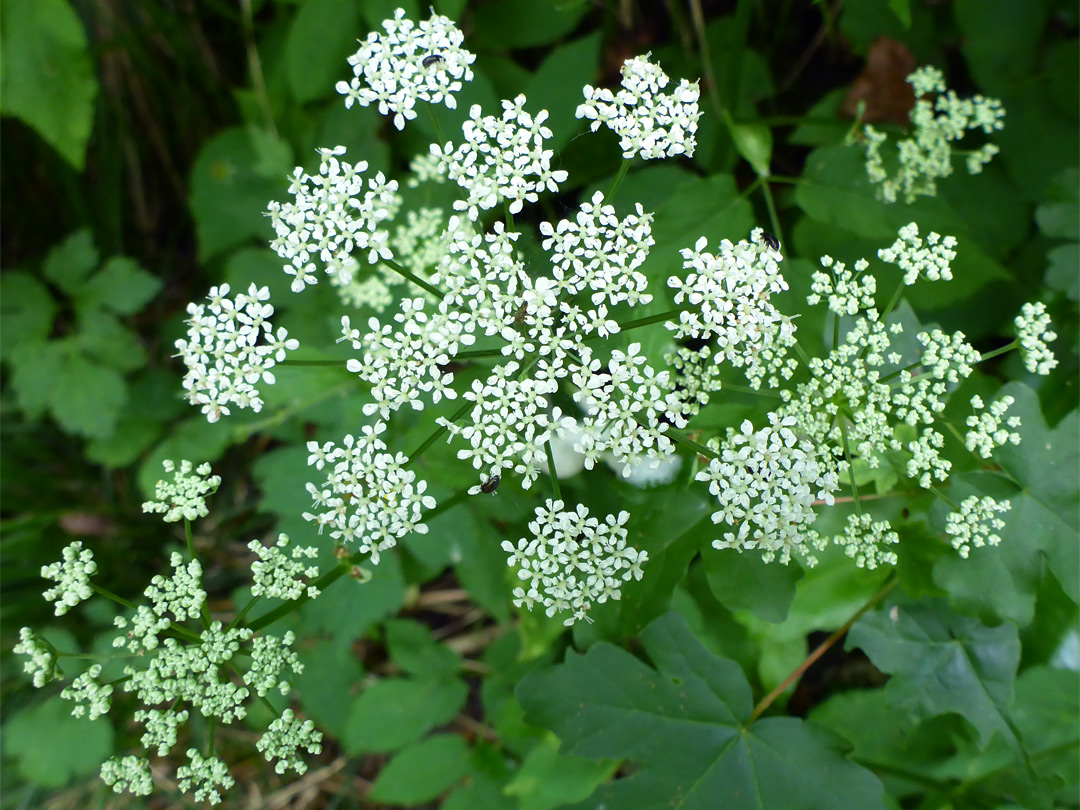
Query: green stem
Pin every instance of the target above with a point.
(312, 363)
(240, 616)
(551, 471)
(415, 279)
(678, 437)
(509, 216)
(670, 315)
(999, 351)
(322, 583)
(434, 437)
(624, 167)
(435, 123)
(766, 192)
(851, 467)
(447, 505)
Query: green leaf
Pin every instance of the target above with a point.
(71, 261)
(152, 402)
(228, 195)
(683, 719)
(331, 669)
(423, 771)
(322, 35)
(87, 396)
(1047, 715)
(394, 712)
(942, 662)
(121, 286)
(512, 24)
(754, 144)
(555, 86)
(1059, 216)
(35, 369)
(480, 562)
(47, 74)
(53, 747)
(902, 10)
(102, 337)
(548, 779)
(28, 310)
(414, 650)
(746, 582)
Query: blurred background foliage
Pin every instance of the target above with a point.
(141, 143)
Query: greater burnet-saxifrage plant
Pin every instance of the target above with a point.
(445, 280)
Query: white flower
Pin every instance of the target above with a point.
(369, 499)
(932, 262)
(766, 482)
(278, 574)
(729, 304)
(230, 347)
(501, 159)
(987, 431)
(72, 577)
(409, 63)
(648, 122)
(926, 156)
(184, 496)
(573, 560)
(285, 737)
(1033, 332)
(976, 523)
(204, 777)
(333, 217)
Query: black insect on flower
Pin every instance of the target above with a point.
(490, 485)
(770, 240)
(432, 59)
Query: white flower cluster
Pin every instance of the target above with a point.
(162, 728)
(1033, 332)
(194, 674)
(85, 689)
(932, 262)
(332, 216)
(42, 664)
(369, 499)
(649, 123)
(976, 523)
(572, 560)
(72, 576)
(409, 63)
(206, 776)
(502, 158)
(508, 425)
(628, 409)
(864, 539)
(599, 253)
(278, 573)
(285, 737)
(184, 496)
(767, 482)
(847, 292)
(926, 156)
(270, 655)
(129, 774)
(987, 429)
(177, 598)
(728, 296)
(231, 346)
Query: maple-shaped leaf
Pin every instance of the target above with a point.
(683, 721)
(942, 662)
